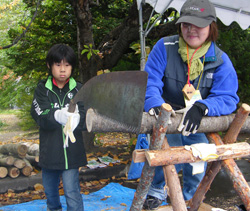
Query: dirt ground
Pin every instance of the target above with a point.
(224, 199)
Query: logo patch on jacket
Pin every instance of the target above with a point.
(210, 75)
(70, 95)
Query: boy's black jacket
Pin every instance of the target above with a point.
(47, 99)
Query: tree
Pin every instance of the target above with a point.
(101, 32)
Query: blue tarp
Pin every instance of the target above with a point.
(118, 198)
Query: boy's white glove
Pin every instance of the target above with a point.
(69, 120)
(70, 126)
(62, 115)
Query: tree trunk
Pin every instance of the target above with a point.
(97, 123)
(16, 149)
(6, 160)
(87, 68)
(3, 172)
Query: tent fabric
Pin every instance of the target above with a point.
(227, 10)
(113, 197)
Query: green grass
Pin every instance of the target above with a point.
(10, 111)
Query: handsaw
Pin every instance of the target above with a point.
(117, 95)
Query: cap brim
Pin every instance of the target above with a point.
(194, 20)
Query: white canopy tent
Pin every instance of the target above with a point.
(226, 10)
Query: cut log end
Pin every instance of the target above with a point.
(89, 115)
(167, 107)
(26, 171)
(3, 172)
(13, 172)
(246, 107)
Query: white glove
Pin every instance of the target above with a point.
(182, 127)
(70, 126)
(62, 115)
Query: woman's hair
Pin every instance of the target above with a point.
(213, 32)
(59, 52)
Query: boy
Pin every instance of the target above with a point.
(59, 157)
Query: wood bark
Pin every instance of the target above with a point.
(177, 155)
(241, 185)
(148, 172)
(3, 172)
(173, 184)
(13, 172)
(16, 149)
(6, 160)
(98, 123)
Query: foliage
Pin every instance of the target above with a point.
(89, 50)
(236, 43)
(24, 63)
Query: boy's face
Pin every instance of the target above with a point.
(61, 72)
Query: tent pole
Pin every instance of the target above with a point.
(142, 41)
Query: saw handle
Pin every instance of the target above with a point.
(72, 106)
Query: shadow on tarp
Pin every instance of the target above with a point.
(116, 197)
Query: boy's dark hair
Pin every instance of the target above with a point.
(59, 52)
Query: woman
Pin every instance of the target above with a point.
(189, 71)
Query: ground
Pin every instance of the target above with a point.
(11, 132)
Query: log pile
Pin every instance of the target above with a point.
(18, 159)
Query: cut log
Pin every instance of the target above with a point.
(19, 163)
(173, 184)
(97, 123)
(233, 170)
(13, 172)
(177, 155)
(139, 156)
(27, 169)
(6, 160)
(147, 171)
(16, 149)
(33, 148)
(239, 182)
(32, 159)
(3, 172)
(237, 124)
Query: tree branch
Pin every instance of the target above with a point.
(17, 39)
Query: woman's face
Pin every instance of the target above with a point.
(194, 35)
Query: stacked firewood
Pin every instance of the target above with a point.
(18, 159)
